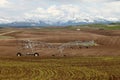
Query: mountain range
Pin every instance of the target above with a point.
(40, 23)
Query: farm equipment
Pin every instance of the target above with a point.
(77, 44)
(28, 47)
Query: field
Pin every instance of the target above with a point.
(72, 68)
(101, 62)
(108, 41)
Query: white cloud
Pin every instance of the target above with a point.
(55, 13)
(98, 0)
(4, 3)
(60, 10)
(84, 1)
(73, 12)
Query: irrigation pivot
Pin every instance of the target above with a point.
(76, 45)
(29, 47)
(26, 47)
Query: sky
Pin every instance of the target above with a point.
(59, 10)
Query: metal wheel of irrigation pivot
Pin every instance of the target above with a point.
(29, 47)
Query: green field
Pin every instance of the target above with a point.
(6, 37)
(96, 26)
(106, 27)
(74, 68)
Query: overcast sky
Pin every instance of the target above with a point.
(59, 9)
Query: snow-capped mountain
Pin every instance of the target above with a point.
(39, 22)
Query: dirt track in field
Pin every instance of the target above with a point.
(109, 41)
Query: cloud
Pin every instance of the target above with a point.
(55, 13)
(4, 3)
(99, 0)
(84, 1)
(60, 10)
(74, 12)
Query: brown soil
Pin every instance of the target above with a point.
(109, 42)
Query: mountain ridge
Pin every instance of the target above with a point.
(40, 23)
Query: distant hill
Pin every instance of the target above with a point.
(117, 23)
(34, 23)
